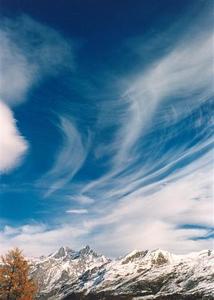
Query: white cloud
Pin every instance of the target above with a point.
(8, 231)
(82, 199)
(32, 229)
(155, 208)
(160, 202)
(12, 145)
(29, 51)
(16, 73)
(125, 237)
(151, 217)
(163, 94)
(154, 216)
(184, 73)
(38, 240)
(77, 211)
(69, 159)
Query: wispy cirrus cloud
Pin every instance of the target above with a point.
(173, 88)
(165, 214)
(152, 217)
(29, 52)
(170, 77)
(77, 211)
(177, 216)
(69, 160)
(161, 155)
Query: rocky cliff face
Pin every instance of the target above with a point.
(141, 275)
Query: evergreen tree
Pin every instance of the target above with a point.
(15, 283)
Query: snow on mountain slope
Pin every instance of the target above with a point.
(69, 274)
(63, 267)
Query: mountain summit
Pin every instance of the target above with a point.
(140, 275)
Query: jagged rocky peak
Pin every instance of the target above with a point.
(87, 251)
(68, 253)
(63, 252)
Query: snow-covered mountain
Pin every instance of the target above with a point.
(68, 274)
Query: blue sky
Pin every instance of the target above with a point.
(107, 120)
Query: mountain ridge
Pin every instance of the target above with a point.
(141, 274)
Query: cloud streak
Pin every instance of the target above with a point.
(69, 159)
(171, 90)
(77, 211)
(29, 51)
(155, 215)
(161, 156)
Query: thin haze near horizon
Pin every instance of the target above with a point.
(106, 125)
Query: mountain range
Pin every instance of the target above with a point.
(141, 275)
